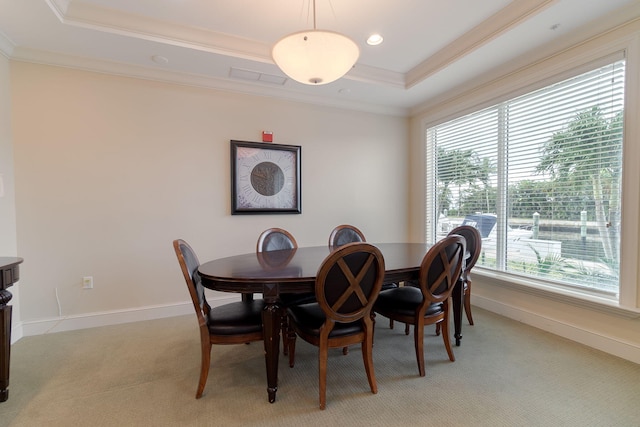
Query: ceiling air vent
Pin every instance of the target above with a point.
(255, 76)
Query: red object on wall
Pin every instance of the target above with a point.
(267, 136)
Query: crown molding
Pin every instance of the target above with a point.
(7, 46)
(59, 7)
(621, 24)
(102, 19)
(379, 76)
(97, 18)
(480, 35)
(187, 79)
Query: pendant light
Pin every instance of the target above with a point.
(315, 57)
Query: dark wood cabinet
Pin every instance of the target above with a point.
(9, 274)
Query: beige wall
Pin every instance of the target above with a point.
(109, 170)
(7, 201)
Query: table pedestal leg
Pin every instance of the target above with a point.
(457, 296)
(5, 343)
(271, 329)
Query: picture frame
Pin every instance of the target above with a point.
(265, 178)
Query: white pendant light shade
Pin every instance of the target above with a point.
(315, 57)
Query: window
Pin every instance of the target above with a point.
(540, 177)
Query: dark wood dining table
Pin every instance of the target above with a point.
(294, 271)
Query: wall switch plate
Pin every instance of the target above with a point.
(87, 282)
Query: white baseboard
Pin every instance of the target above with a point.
(625, 350)
(115, 317)
(16, 331)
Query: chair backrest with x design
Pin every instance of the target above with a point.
(347, 285)
(441, 268)
(349, 280)
(473, 244)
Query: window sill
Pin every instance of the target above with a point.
(538, 288)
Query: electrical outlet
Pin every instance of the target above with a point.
(87, 282)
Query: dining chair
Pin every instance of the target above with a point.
(232, 323)
(273, 239)
(473, 239)
(473, 247)
(428, 303)
(347, 285)
(277, 239)
(344, 234)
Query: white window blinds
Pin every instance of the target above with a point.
(540, 176)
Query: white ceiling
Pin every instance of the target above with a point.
(431, 47)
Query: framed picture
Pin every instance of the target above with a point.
(265, 178)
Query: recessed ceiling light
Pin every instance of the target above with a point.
(374, 40)
(160, 59)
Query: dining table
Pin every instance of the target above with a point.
(294, 271)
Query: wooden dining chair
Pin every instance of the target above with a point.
(428, 303)
(347, 285)
(344, 234)
(273, 239)
(232, 323)
(277, 239)
(473, 241)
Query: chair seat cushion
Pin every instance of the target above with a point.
(403, 300)
(236, 318)
(310, 317)
(389, 286)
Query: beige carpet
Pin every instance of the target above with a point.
(145, 374)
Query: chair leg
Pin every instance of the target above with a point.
(467, 301)
(418, 337)
(291, 343)
(373, 335)
(323, 354)
(284, 326)
(345, 350)
(367, 358)
(445, 337)
(390, 323)
(204, 368)
(406, 329)
(437, 329)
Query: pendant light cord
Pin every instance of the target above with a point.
(315, 27)
(314, 14)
